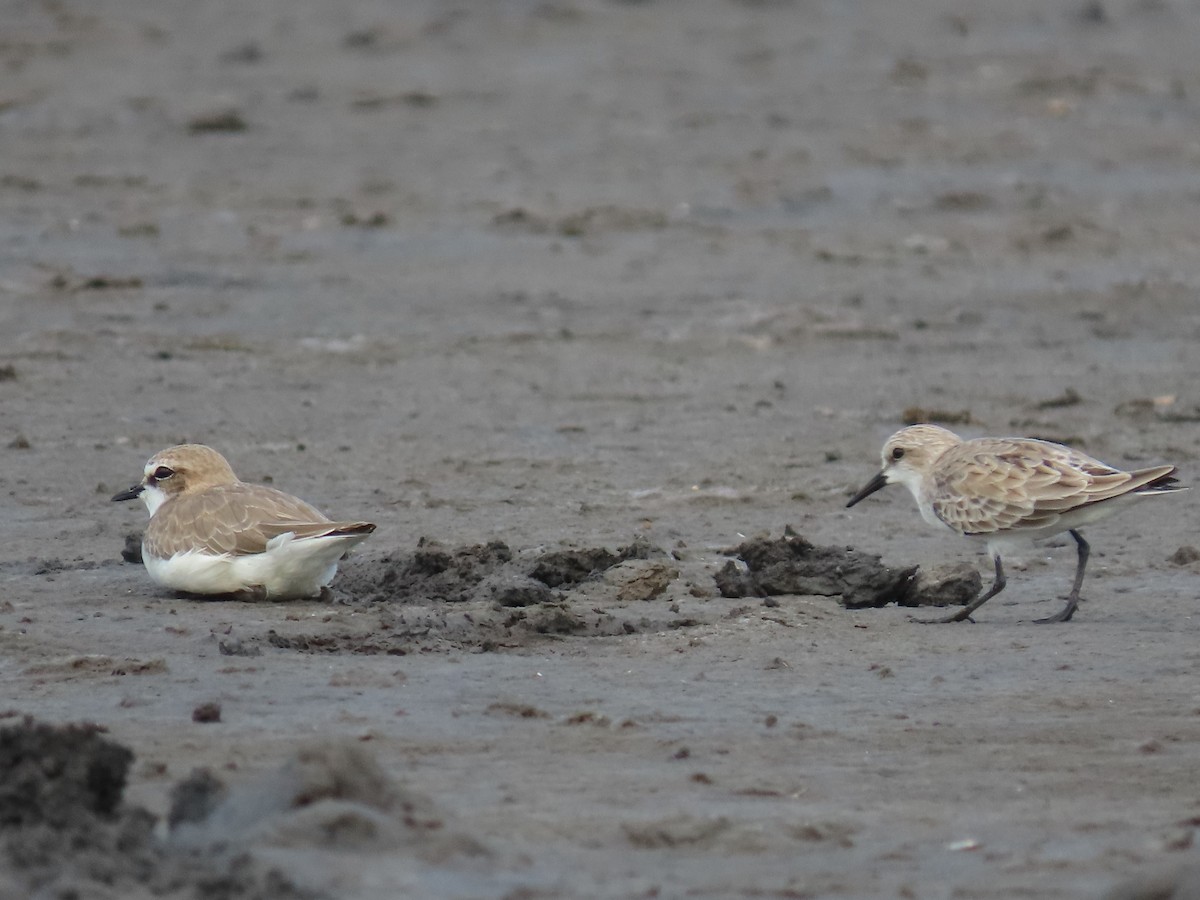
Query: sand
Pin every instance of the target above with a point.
(574, 299)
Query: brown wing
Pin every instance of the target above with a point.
(991, 485)
(237, 519)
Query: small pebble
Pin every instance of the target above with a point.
(207, 712)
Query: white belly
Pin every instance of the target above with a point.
(287, 569)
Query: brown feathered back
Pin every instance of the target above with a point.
(990, 485)
(237, 519)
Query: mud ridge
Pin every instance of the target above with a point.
(490, 571)
(488, 597)
(794, 565)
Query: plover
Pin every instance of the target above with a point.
(210, 533)
(1004, 490)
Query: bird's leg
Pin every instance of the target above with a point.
(1064, 615)
(964, 614)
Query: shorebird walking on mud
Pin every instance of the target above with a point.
(210, 533)
(1006, 490)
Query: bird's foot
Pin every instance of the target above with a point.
(1063, 615)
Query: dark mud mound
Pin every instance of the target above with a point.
(488, 597)
(65, 833)
(956, 584)
(56, 776)
(431, 572)
(794, 565)
(489, 571)
(563, 568)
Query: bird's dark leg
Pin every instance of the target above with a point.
(964, 614)
(1064, 615)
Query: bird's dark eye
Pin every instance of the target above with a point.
(162, 473)
(897, 453)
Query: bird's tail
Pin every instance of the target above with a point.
(1166, 483)
(346, 529)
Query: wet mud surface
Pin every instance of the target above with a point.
(603, 298)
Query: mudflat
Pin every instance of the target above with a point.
(574, 300)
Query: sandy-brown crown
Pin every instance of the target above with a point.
(919, 446)
(192, 468)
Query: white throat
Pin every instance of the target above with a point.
(153, 497)
(915, 482)
(910, 478)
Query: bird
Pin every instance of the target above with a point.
(1004, 490)
(212, 534)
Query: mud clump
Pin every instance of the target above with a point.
(1184, 556)
(950, 585)
(516, 590)
(207, 712)
(65, 832)
(431, 572)
(195, 798)
(489, 571)
(55, 776)
(329, 795)
(642, 581)
(487, 597)
(569, 567)
(556, 620)
(794, 565)
(132, 551)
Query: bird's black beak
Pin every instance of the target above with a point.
(129, 493)
(877, 483)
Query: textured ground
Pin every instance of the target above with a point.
(522, 279)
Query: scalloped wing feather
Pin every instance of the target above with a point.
(237, 519)
(993, 485)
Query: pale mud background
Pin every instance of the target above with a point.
(600, 275)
